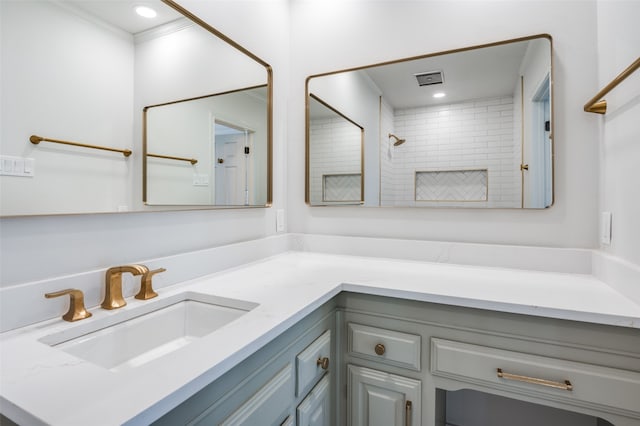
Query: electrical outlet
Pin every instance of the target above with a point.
(280, 220)
(605, 228)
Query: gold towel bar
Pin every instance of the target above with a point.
(169, 157)
(37, 139)
(599, 105)
(566, 385)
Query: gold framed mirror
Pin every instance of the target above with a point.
(465, 128)
(79, 74)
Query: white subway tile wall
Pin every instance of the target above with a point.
(471, 135)
(335, 148)
(386, 153)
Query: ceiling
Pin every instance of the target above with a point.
(121, 14)
(471, 74)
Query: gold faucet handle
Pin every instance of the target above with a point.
(146, 285)
(76, 311)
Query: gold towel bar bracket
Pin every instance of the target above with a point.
(597, 104)
(34, 139)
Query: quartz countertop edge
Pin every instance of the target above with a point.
(286, 288)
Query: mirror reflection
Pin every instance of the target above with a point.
(77, 87)
(335, 160)
(465, 128)
(208, 151)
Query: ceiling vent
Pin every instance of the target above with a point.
(429, 78)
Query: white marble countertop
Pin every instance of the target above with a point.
(41, 384)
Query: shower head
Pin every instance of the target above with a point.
(398, 140)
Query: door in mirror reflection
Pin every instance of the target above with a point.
(335, 156)
(471, 127)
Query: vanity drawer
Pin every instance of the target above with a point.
(312, 362)
(539, 376)
(388, 346)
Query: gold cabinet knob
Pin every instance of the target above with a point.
(323, 362)
(76, 310)
(380, 349)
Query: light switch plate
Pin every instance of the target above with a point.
(200, 179)
(17, 166)
(605, 228)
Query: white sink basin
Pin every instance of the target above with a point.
(149, 332)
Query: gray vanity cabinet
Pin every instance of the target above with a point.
(377, 398)
(404, 361)
(288, 378)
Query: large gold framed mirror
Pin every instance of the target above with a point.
(79, 76)
(470, 127)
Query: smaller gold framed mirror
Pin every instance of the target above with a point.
(465, 128)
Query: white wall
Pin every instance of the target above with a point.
(619, 145)
(333, 35)
(33, 248)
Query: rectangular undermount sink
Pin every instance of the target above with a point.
(149, 332)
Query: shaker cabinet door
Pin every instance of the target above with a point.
(315, 409)
(377, 398)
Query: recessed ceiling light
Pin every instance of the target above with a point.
(145, 12)
(439, 95)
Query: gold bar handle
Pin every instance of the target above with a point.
(407, 413)
(170, 157)
(34, 139)
(566, 385)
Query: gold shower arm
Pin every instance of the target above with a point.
(169, 157)
(599, 105)
(37, 139)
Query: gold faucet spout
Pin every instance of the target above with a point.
(113, 284)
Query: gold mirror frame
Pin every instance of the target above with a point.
(523, 166)
(221, 36)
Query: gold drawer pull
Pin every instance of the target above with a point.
(323, 362)
(566, 385)
(407, 417)
(380, 349)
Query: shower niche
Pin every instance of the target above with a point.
(469, 127)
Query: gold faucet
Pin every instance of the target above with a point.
(76, 311)
(113, 290)
(146, 285)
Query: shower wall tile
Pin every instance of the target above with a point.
(335, 149)
(470, 135)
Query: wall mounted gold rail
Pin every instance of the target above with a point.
(170, 157)
(37, 139)
(599, 105)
